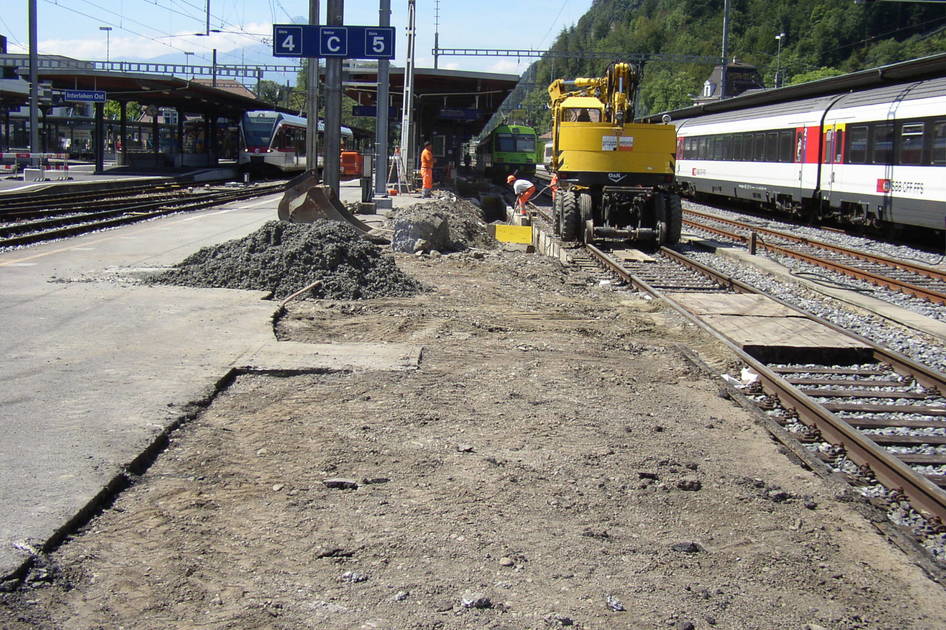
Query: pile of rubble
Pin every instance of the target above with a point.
(286, 257)
(446, 224)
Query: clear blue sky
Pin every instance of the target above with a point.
(163, 29)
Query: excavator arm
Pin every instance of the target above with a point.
(615, 90)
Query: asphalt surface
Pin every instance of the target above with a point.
(98, 367)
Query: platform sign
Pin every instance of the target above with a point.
(347, 42)
(333, 41)
(84, 96)
(288, 40)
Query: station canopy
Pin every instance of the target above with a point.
(191, 96)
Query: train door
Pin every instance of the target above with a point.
(831, 155)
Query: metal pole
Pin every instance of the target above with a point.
(312, 100)
(213, 70)
(208, 19)
(333, 103)
(34, 82)
(407, 163)
(724, 79)
(381, 130)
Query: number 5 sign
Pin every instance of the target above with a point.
(349, 42)
(379, 42)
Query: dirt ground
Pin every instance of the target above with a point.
(555, 462)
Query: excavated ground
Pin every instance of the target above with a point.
(556, 461)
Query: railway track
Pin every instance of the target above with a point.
(919, 281)
(880, 410)
(50, 217)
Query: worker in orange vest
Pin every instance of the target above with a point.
(524, 190)
(427, 169)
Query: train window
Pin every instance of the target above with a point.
(785, 141)
(525, 143)
(911, 143)
(505, 143)
(881, 143)
(838, 146)
(717, 148)
(771, 146)
(939, 143)
(758, 147)
(736, 147)
(827, 146)
(727, 147)
(701, 151)
(857, 145)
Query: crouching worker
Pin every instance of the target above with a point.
(524, 190)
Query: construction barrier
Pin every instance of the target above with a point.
(16, 162)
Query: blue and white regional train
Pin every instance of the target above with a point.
(275, 141)
(873, 157)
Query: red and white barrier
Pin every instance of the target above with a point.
(54, 161)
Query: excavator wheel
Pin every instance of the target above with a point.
(585, 206)
(674, 218)
(557, 215)
(570, 216)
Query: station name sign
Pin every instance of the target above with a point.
(84, 96)
(347, 42)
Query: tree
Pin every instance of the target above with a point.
(113, 111)
(269, 91)
(813, 75)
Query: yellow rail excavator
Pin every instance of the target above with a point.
(615, 177)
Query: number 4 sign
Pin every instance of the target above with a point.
(287, 41)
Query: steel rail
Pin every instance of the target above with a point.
(924, 495)
(894, 284)
(206, 201)
(923, 270)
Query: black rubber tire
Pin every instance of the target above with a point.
(557, 215)
(674, 219)
(571, 216)
(585, 211)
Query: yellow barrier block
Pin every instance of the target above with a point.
(514, 234)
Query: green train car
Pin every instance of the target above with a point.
(507, 150)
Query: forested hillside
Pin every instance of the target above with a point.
(822, 37)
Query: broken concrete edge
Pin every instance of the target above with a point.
(13, 577)
(839, 486)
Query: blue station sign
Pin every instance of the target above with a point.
(84, 96)
(348, 42)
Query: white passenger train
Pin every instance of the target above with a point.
(874, 157)
(272, 141)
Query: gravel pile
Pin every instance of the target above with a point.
(285, 257)
(465, 226)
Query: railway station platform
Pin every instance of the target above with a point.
(99, 368)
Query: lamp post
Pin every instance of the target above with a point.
(778, 60)
(108, 30)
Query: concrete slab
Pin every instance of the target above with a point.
(97, 368)
(770, 331)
